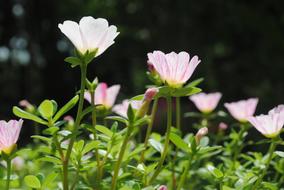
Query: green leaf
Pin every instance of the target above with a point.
(143, 121)
(89, 56)
(204, 141)
(179, 142)
(156, 145)
(118, 118)
(104, 130)
(194, 83)
(74, 61)
(90, 146)
(138, 97)
(49, 179)
(69, 105)
(215, 171)
(46, 109)
(48, 140)
(280, 153)
(186, 91)
(26, 115)
(130, 114)
(87, 111)
(50, 159)
(50, 130)
(78, 146)
(164, 91)
(32, 181)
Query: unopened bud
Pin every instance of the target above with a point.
(27, 105)
(70, 120)
(222, 126)
(163, 187)
(201, 133)
(150, 94)
(148, 97)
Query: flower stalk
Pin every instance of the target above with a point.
(271, 150)
(167, 140)
(120, 157)
(94, 123)
(8, 161)
(149, 128)
(83, 68)
(185, 172)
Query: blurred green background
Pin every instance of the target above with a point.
(240, 43)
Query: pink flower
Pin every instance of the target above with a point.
(269, 125)
(206, 103)
(163, 187)
(243, 109)
(9, 134)
(174, 69)
(121, 109)
(103, 95)
(90, 34)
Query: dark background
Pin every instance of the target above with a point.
(240, 43)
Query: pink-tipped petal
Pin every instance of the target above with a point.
(112, 93)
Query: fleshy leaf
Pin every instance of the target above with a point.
(69, 105)
(26, 115)
(32, 181)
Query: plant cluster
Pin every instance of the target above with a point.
(99, 149)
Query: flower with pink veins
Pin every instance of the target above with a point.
(9, 134)
(206, 103)
(243, 109)
(90, 34)
(174, 69)
(121, 109)
(269, 125)
(104, 95)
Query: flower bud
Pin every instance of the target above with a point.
(27, 105)
(222, 126)
(163, 187)
(70, 121)
(148, 97)
(18, 163)
(150, 94)
(201, 133)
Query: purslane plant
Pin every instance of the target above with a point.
(99, 150)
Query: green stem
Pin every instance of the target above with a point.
(167, 140)
(76, 127)
(77, 174)
(120, 157)
(185, 172)
(149, 129)
(271, 150)
(94, 123)
(178, 115)
(237, 145)
(178, 126)
(8, 160)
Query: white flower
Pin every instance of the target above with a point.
(90, 34)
